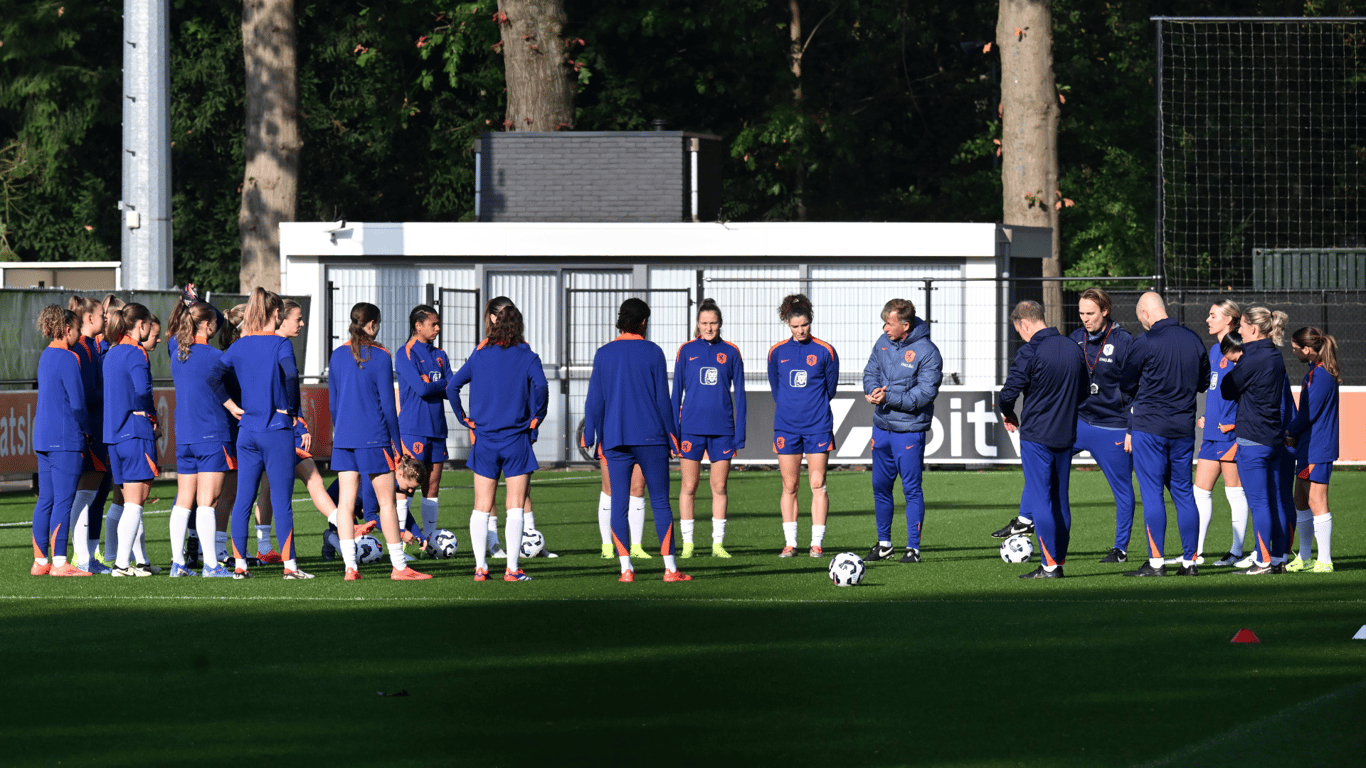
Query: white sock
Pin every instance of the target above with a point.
(718, 530)
(430, 509)
(528, 520)
(514, 535)
(670, 564)
(220, 546)
(686, 526)
(396, 558)
(128, 530)
(1237, 499)
(817, 535)
(626, 563)
(240, 563)
(58, 560)
(1157, 562)
(262, 539)
(291, 565)
(1049, 568)
(884, 543)
(80, 525)
(332, 519)
(479, 526)
(1304, 526)
(1323, 536)
(635, 517)
(111, 530)
(347, 547)
(40, 560)
(180, 523)
(790, 534)
(1204, 507)
(139, 542)
(1026, 521)
(401, 505)
(204, 523)
(605, 517)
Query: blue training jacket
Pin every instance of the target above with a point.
(1105, 353)
(92, 376)
(128, 408)
(1217, 409)
(704, 373)
(1315, 427)
(1256, 384)
(1166, 369)
(911, 370)
(508, 391)
(802, 377)
(361, 399)
(422, 372)
(61, 421)
(1051, 374)
(199, 415)
(628, 396)
(268, 378)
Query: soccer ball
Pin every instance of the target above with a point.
(847, 569)
(1017, 549)
(368, 550)
(532, 543)
(443, 544)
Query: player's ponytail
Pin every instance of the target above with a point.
(491, 311)
(632, 316)
(507, 327)
(83, 306)
(112, 304)
(190, 321)
(264, 311)
(1271, 324)
(795, 305)
(1325, 347)
(232, 326)
(123, 321)
(362, 315)
(707, 305)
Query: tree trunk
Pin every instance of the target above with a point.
(1029, 130)
(540, 91)
(270, 187)
(796, 47)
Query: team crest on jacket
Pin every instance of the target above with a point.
(687, 446)
(910, 355)
(1109, 349)
(1223, 362)
(720, 358)
(810, 359)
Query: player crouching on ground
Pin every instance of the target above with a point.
(901, 380)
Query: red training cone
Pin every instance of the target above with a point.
(1245, 636)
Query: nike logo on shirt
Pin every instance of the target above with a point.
(725, 451)
(784, 361)
(691, 359)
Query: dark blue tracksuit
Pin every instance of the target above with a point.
(1051, 374)
(1167, 368)
(1103, 420)
(1258, 383)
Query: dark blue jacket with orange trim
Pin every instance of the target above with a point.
(128, 408)
(268, 377)
(1166, 369)
(1315, 427)
(509, 395)
(199, 415)
(802, 376)
(61, 421)
(422, 371)
(1051, 374)
(704, 373)
(361, 399)
(92, 376)
(628, 396)
(1257, 383)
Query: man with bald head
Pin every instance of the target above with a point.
(1167, 367)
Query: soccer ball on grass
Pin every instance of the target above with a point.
(443, 544)
(1017, 549)
(532, 543)
(847, 569)
(368, 550)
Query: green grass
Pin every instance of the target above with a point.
(953, 661)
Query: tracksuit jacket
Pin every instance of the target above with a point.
(199, 415)
(361, 399)
(1256, 384)
(1105, 353)
(508, 391)
(628, 396)
(911, 370)
(1166, 369)
(803, 376)
(422, 372)
(61, 421)
(1051, 374)
(1315, 427)
(128, 408)
(706, 370)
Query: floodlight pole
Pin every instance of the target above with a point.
(146, 192)
(1157, 230)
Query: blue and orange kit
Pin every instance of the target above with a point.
(1257, 384)
(361, 398)
(61, 422)
(1217, 409)
(270, 402)
(199, 415)
(802, 376)
(1051, 374)
(706, 370)
(1316, 424)
(128, 408)
(1105, 352)
(1167, 368)
(508, 391)
(629, 364)
(92, 376)
(422, 372)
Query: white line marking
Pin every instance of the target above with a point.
(724, 600)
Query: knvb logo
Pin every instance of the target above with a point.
(798, 378)
(709, 376)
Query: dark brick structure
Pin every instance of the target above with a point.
(627, 176)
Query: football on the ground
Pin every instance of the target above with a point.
(368, 550)
(532, 543)
(847, 569)
(1017, 549)
(443, 544)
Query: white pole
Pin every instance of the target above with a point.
(146, 203)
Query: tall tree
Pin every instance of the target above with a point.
(539, 89)
(1029, 130)
(270, 188)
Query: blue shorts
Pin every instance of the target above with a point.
(367, 461)
(788, 443)
(512, 457)
(1216, 450)
(1314, 473)
(95, 458)
(133, 461)
(205, 457)
(425, 449)
(715, 447)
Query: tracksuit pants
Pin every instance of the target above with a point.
(1107, 448)
(1047, 472)
(898, 453)
(1164, 464)
(654, 465)
(1258, 468)
(272, 453)
(59, 472)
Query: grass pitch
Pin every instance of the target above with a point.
(952, 661)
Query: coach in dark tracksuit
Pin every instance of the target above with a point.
(1051, 374)
(1167, 366)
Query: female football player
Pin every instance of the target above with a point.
(108, 492)
(422, 372)
(129, 425)
(705, 372)
(86, 520)
(508, 399)
(802, 374)
(629, 415)
(1314, 434)
(365, 436)
(1218, 449)
(60, 429)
